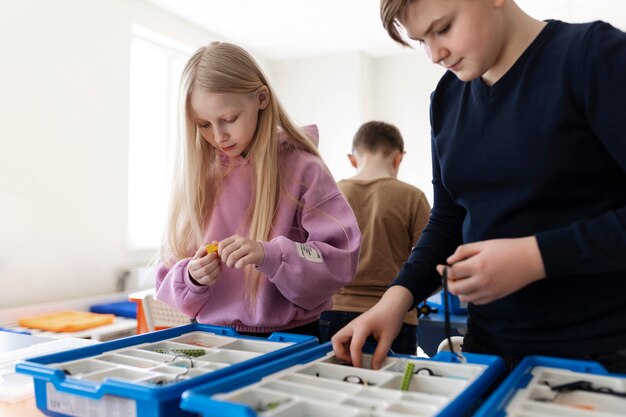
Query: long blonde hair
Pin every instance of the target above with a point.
(225, 68)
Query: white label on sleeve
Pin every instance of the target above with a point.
(309, 253)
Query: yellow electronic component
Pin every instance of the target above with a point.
(210, 248)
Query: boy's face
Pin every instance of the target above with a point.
(464, 36)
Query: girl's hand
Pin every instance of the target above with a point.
(238, 251)
(203, 268)
(483, 272)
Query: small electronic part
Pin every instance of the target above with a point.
(210, 248)
(183, 361)
(424, 372)
(355, 379)
(425, 309)
(194, 353)
(406, 378)
(584, 386)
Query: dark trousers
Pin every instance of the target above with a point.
(309, 329)
(333, 321)
(614, 362)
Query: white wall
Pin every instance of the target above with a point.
(341, 92)
(403, 85)
(326, 91)
(64, 83)
(64, 108)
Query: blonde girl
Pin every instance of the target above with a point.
(250, 181)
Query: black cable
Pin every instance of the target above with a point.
(584, 386)
(446, 313)
(446, 309)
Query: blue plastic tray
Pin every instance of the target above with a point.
(314, 383)
(122, 377)
(121, 308)
(526, 391)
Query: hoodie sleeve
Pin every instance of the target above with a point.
(175, 288)
(309, 272)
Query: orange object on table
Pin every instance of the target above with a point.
(67, 321)
(142, 323)
(153, 314)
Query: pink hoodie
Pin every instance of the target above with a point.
(313, 251)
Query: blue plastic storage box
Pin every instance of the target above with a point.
(456, 306)
(121, 308)
(314, 383)
(145, 375)
(553, 387)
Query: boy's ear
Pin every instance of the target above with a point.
(397, 159)
(352, 159)
(263, 97)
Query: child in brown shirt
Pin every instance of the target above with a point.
(391, 215)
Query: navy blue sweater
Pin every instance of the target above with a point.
(541, 152)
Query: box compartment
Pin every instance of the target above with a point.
(314, 383)
(527, 390)
(145, 375)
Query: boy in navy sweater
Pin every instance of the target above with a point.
(529, 175)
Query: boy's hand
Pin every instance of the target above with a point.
(486, 271)
(204, 269)
(383, 322)
(238, 251)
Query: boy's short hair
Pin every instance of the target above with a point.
(378, 137)
(390, 11)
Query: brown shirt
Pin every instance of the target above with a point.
(391, 215)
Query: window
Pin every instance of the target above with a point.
(156, 65)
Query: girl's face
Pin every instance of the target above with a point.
(464, 36)
(228, 120)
